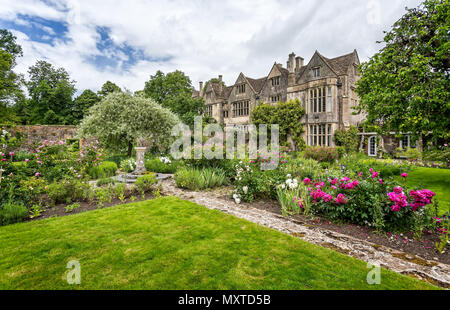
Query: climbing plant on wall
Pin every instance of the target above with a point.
(287, 115)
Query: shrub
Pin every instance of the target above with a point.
(72, 207)
(252, 183)
(116, 158)
(199, 179)
(410, 154)
(305, 168)
(128, 165)
(442, 155)
(67, 191)
(12, 213)
(157, 165)
(104, 170)
(348, 139)
(145, 182)
(372, 202)
(322, 153)
(106, 181)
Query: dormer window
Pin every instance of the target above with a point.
(241, 88)
(275, 81)
(316, 72)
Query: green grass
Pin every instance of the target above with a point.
(434, 179)
(169, 243)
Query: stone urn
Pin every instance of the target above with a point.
(140, 152)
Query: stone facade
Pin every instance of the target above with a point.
(325, 86)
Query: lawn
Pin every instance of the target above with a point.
(169, 243)
(437, 180)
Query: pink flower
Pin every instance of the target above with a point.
(360, 174)
(27, 160)
(374, 175)
(404, 175)
(371, 170)
(341, 199)
(37, 174)
(398, 190)
(307, 181)
(381, 181)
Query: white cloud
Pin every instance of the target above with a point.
(204, 38)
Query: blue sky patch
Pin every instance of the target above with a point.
(117, 56)
(37, 28)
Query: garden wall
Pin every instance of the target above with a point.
(32, 135)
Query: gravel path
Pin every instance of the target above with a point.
(431, 271)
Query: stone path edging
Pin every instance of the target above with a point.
(431, 271)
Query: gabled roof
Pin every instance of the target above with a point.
(341, 64)
(195, 94)
(256, 84)
(338, 65)
(227, 91)
(216, 89)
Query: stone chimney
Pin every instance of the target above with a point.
(291, 62)
(220, 83)
(201, 89)
(298, 62)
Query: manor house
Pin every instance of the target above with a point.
(325, 86)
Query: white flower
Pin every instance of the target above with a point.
(237, 201)
(245, 189)
(288, 176)
(283, 186)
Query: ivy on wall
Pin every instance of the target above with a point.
(347, 138)
(287, 115)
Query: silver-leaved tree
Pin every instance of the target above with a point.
(120, 119)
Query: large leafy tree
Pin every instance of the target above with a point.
(82, 104)
(10, 82)
(119, 119)
(405, 86)
(174, 91)
(108, 88)
(51, 92)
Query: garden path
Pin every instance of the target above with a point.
(434, 272)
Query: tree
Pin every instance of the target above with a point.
(82, 104)
(174, 91)
(51, 92)
(405, 86)
(162, 87)
(10, 82)
(108, 88)
(9, 45)
(119, 119)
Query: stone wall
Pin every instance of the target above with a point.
(32, 135)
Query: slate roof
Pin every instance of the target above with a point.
(227, 91)
(257, 84)
(340, 64)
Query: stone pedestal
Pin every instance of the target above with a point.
(140, 167)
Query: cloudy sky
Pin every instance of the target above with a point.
(126, 41)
